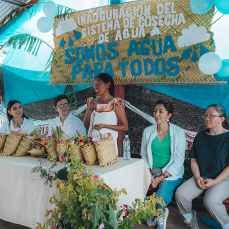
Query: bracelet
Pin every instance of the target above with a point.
(163, 174)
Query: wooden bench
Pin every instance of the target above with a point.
(199, 201)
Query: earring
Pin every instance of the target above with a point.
(167, 120)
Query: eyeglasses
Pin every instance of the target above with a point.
(62, 105)
(210, 116)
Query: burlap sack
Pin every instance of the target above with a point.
(11, 144)
(106, 150)
(61, 149)
(76, 153)
(89, 154)
(51, 148)
(24, 146)
(2, 140)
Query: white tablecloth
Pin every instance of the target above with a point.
(24, 198)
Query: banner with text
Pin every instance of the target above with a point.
(142, 42)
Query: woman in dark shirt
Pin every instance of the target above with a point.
(209, 163)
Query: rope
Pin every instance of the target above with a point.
(189, 135)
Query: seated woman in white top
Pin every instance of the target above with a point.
(15, 115)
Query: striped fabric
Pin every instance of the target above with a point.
(5, 9)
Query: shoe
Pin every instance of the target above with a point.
(161, 221)
(151, 221)
(193, 223)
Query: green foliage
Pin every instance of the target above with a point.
(69, 91)
(30, 43)
(86, 202)
(46, 172)
(62, 174)
(36, 130)
(63, 11)
(60, 133)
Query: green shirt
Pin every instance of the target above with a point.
(161, 151)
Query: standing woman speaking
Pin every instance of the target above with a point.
(16, 116)
(104, 111)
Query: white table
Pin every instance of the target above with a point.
(24, 197)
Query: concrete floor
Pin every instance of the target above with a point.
(175, 221)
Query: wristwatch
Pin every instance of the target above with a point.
(163, 174)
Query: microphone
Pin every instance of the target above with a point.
(94, 97)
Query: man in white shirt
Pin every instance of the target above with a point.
(67, 121)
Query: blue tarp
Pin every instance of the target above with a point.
(198, 95)
(27, 87)
(21, 70)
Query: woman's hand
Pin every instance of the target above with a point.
(99, 126)
(209, 183)
(152, 182)
(200, 182)
(93, 104)
(156, 181)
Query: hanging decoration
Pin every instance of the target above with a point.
(210, 63)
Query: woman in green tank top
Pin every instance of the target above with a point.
(163, 150)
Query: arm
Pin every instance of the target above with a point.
(222, 176)
(196, 173)
(81, 127)
(87, 117)
(178, 161)
(144, 153)
(120, 112)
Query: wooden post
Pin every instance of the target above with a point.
(120, 92)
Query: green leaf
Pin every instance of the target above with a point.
(69, 91)
(118, 215)
(44, 173)
(53, 165)
(30, 43)
(18, 125)
(60, 133)
(76, 203)
(112, 220)
(65, 154)
(62, 174)
(63, 11)
(36, 130)
(96, 212)
(53, 131)
(21, 131)
(66, 220)
(103, 192)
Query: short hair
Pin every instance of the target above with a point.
(168, 106)
(60, 97)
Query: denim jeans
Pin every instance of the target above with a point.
(166, 190)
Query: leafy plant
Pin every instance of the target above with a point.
(69, 91)
(30, 43)
(86, 202)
